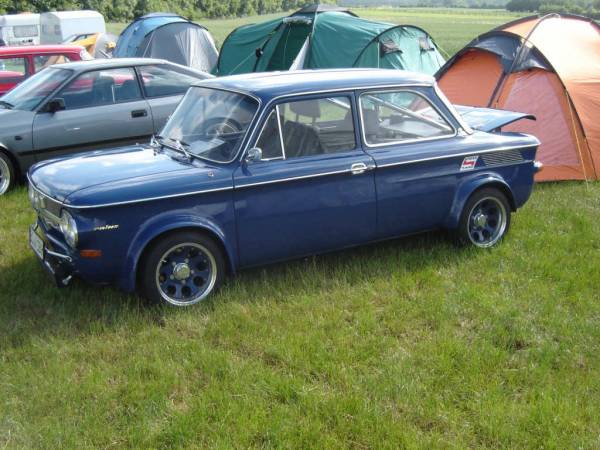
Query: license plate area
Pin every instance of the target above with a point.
(36, 243)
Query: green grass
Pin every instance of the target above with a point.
(410, 343)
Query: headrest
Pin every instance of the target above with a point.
(307, 108)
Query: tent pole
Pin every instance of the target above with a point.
(577, 138)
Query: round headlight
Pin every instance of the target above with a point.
(68, 228)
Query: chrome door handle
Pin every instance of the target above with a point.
(358, 168)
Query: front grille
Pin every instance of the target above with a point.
(502, 158)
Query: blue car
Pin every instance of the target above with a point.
(259, 168)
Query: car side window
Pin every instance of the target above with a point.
(163, 80)
(269, 140)
(13, 67)
(101, 87)
(42, 61)
(397, 116)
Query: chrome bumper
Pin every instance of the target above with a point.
(58, 265)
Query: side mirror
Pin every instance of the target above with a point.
(56, 104)
(253, 155)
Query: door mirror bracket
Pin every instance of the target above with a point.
(56, 104)
(253, 155)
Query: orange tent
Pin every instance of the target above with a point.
(547, 66)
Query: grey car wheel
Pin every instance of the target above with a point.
(7, 173)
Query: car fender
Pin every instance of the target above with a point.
(470, 185)
(164, 223)
(4, 149)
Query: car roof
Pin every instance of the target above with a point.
(110, 63)
(39, 49)
(276, 84)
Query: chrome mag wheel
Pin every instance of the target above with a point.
(487, 222)
(186, 274)
(5, 176)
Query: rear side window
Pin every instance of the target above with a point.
(397, 116)
(163, 80)
(311, 127)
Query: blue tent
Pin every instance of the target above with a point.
(168, 36)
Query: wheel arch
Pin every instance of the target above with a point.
(153, 232)
(469, 187)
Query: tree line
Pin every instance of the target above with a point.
(126, 10)
(581, 7)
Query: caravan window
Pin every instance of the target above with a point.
(25, 31)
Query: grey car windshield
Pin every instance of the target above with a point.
(29, 94)
(211, 123)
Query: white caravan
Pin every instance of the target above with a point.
(20, 29)
(60, 26)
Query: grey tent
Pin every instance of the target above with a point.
(168, 36)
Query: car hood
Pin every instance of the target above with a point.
(125, 175)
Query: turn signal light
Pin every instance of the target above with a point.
(90, 253)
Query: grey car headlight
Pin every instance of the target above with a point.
(68, 228)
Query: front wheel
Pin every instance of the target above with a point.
(485, 218)
(182, 269)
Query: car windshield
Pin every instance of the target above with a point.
(211, 123)
(32, 91)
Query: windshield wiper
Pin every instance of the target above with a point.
(176, 145)
(6, 104)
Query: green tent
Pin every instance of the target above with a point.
(323, 37)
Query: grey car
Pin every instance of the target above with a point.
(87, 105)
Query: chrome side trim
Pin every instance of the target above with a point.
(281, 180)
(128, 202)
(302, 177)
(456, 155)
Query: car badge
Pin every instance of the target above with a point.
(469, 163)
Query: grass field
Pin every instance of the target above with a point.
(412, 343)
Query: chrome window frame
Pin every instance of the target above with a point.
(275, 100)
(404, 141)
(262, 129)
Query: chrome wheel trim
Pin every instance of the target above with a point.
(181, 273)
(487, 222)
(4, 176)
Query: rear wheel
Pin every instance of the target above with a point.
(182, 269)
(485, 218)
(7, 173)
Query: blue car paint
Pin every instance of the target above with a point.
(269, 211)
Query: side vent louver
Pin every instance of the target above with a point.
(501, 158)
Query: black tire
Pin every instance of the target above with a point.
(494, 206)
(163, 280)
(8, 174)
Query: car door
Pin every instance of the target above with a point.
(164, 86)
(312, 190)
(408, 137)
(103, 109)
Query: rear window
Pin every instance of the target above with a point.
(164, 80)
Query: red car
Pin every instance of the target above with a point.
(19, 63)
